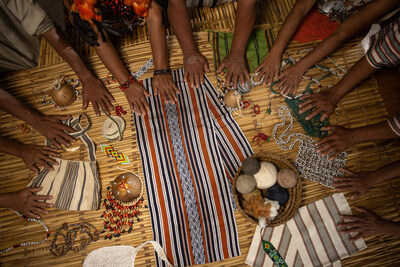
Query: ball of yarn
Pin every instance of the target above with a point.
(266, 176)
(278, 193)
(287, 178)
(245, 184)
(251, 166)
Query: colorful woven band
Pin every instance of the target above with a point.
(125, 85)
(273, 254)
(162, 72)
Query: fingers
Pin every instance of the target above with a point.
(39, 210)
(186, 75)
(314, 113)
(363, 210)
(34, 168)
(351, 230)
(96, 108)
(45, 164)
(32, 215)
(355, 195)
(349, 217)
(61, 117)
(54, 142)
(354, 238)
(206, 68)
(63, 127)
(221, 67)
(41, 197)
(44, 205)
(346, 171)
(104, 107)
(110, 98)
(85, 103)
(34, 189)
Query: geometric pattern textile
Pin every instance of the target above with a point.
(112, 152)
(190, 152)
(311, 238)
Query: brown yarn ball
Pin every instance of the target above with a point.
(245, 183)
(251, 165)
(287, 178)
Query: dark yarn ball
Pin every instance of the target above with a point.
(251, 166)
(278, 193)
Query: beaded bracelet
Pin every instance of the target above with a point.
(125, 85)
(162, 72)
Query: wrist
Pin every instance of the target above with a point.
(236, 53)
(127, 84)
(6, 200)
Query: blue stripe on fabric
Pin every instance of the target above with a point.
(83, 186)
(167, 176)
(191, 141)
(187, 185)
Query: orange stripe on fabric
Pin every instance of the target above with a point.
(195, 189)
(159, 189)
(180, 187)
(225, 129)
(210, 172)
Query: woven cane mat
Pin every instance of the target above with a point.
(363, 106)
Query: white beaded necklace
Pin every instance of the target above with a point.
(310, 164)
(28, 243)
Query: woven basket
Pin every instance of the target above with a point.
(295, 193)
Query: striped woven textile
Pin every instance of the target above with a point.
(190, 153)
(394, 124)
(259, 44)
(311, 238)
(74, 185)
(385, 48)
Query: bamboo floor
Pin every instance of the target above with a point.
(363, 106)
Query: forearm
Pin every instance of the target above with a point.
(180, 22)
(157, 37)
(110, 58)
(360, 71)
(379, 131)
(355, 24)
(64, 48)
(387, 172)
(289, 27)
(11, 147)
(391, 228)
(5, 200)
(12, 105)
(244, 22)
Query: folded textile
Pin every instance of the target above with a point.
(190, 153)
(311, 238)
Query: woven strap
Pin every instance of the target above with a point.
(81, 133)
(160, 252)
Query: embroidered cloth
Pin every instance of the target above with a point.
(190, 153)
(310, 238)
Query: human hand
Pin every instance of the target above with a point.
(320, 102)
(53, 129)
(136, 96)
(26, 202)
(270, 68)
(236, 69)
(33, 155)
(289, 80)
(360, 183)
(365, 224)
(195, 64)
(93, 90)
(339, 139)
(166, 87)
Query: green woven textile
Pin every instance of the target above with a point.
(258, 46)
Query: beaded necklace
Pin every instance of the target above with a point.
(28, 243)
(119, 217)
(310, 164)
(69, 238)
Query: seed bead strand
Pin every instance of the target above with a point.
(29, 243)
(69, 238)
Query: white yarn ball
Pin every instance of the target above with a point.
(266, 176)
